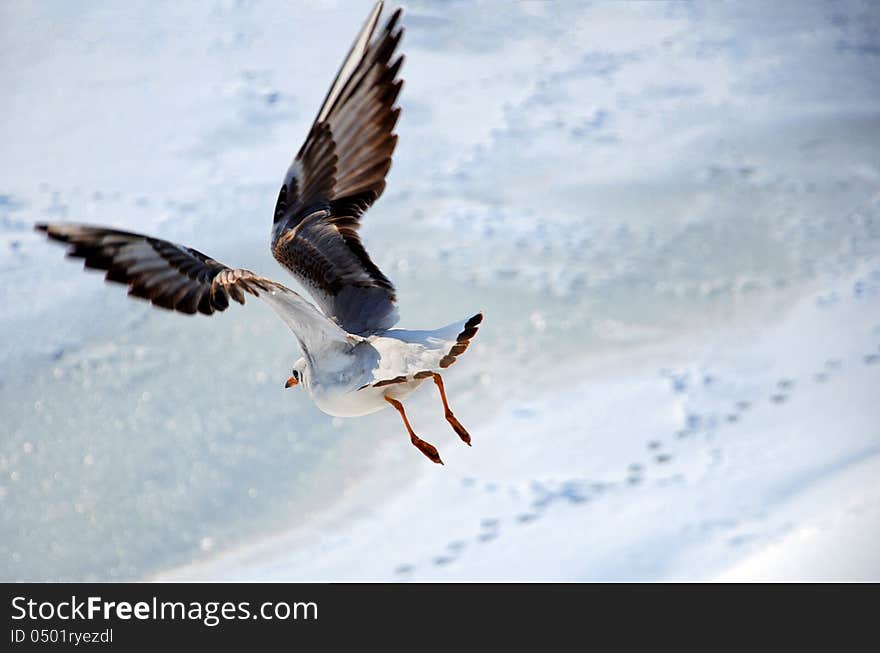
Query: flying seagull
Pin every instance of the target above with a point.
(354, 363)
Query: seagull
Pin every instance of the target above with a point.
(353, 361)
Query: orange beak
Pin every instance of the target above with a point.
(291, 382)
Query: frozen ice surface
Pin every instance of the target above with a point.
(670, 214)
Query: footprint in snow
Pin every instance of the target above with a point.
(488, 530)
(456, 546)
(635, 473)
(783, 389)
(574, 491)
(404, 570)
(526, 517)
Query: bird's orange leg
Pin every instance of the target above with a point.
(456, 425)
(425, 447)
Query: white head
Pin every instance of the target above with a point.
(297, 374)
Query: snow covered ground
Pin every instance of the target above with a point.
(669, 213)
(666, 463)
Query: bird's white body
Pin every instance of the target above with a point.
(390, 364)
(339, 402)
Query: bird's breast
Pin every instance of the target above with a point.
(347, 402)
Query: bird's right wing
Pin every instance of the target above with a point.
(338, 173)
(182, 279)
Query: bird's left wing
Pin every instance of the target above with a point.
(183, 279)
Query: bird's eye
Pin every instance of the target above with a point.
(295, 375)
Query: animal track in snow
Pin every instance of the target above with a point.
(707, 413)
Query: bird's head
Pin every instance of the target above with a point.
(297, 374)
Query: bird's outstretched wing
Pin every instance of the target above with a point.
(336, 176)
(182, 279)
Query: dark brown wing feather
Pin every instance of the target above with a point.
(170, 276)
(336, 176)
